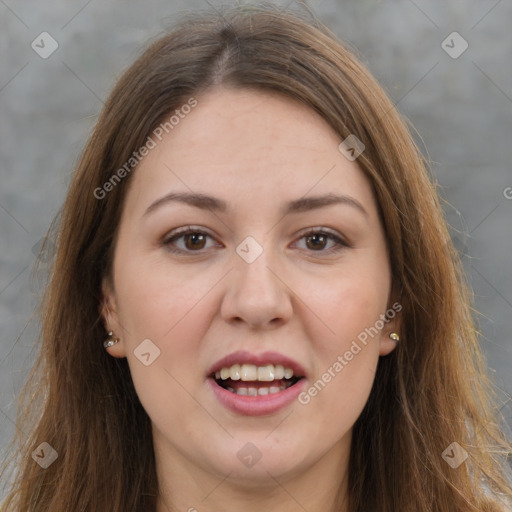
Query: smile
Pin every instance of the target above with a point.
(252, 380)
(252, 385)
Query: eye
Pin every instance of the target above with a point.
(317, 240)
(194, 240)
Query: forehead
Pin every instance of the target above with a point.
(249, 148)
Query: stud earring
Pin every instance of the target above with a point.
(110, 341)
(394, 336)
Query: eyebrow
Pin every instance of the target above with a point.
(206, 202)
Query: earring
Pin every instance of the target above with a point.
(394, 336)
(110, 341)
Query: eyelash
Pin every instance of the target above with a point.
(189, 230)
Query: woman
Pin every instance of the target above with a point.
(255, 301)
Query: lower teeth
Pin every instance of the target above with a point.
(251, 391)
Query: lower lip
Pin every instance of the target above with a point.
(257, 405)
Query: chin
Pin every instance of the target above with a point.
(253, 461)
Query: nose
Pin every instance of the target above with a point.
(257, 294)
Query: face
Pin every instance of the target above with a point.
(251, 320)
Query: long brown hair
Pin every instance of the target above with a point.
(430, 392)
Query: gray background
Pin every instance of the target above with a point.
(461, 107)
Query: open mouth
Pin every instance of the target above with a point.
(252, 380)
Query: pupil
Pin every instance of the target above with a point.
(317, 237)
(195, 238)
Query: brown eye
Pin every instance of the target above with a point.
(316, 241)
(319, 241)
(186, 241)
(194, 241)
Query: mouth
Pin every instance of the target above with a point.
(252, 380)
(254, 385)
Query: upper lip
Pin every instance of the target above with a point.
(265, 358)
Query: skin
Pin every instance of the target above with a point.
(256, 151)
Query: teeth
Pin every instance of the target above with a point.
(251, 372)
(288, 374)
(278, 372)
(252, 391)
(234, 372)
(266, 373)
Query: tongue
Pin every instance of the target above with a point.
(237, 384)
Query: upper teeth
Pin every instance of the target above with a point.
(252, 372)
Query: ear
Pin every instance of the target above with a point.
(392, 325)
(110, 315)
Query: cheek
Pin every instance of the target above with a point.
(174, 311)
(350, 306)
(347, 357)
(158, 302)
(169, 311)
